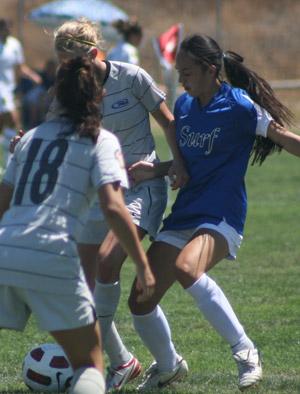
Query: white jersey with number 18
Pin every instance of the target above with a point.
(55, 175)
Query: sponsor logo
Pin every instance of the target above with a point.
(201, 140)
(120, 103)
(58, 380)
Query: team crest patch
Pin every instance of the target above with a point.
(120, 103)
(120, 159)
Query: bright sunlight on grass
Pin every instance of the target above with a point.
(263, 286)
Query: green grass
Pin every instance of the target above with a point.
(263, 286)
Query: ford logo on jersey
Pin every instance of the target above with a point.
(120, 103)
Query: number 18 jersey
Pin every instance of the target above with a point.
(55, 175)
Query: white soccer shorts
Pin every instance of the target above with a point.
(52, 311)
(146, 204)
(179, 238)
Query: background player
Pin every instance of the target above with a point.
(218, 127)
(11, 64)
(49, 183)
(126, 50)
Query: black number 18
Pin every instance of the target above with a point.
(46, 168)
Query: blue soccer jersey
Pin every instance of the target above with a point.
(216, 141)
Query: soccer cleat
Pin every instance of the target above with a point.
(154, 379)
(249, 366)
(117, 377)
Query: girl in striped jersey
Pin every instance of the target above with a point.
(56, 171)
(130, 97)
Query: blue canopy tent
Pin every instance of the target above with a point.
(56, 12)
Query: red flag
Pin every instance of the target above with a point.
(166, 45)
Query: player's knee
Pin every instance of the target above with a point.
(108, 267)
(108, 273)
(132, 303)
(140, 308)
(184, 270)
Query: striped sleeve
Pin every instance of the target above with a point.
(108, 164)
(145, 89)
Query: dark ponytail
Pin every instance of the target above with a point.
(205, 51)
(261, 92)
(79, 91)
(128, 28)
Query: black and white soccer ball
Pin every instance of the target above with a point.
(46, 368)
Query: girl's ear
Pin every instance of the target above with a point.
(213, 69)
(93, 53)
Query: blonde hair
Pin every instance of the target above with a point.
(78, 37)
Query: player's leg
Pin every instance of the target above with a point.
(124, 366)
(83, 348)
(107, 298)
(71, 320)
(151, 323)
(205, 250)
(146, 205)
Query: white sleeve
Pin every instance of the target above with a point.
(263, 120)
(108, 165)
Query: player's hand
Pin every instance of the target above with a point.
(13, 142)
(145, 283)
(178, 174)
(140, 171)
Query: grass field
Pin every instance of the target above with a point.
(263, 286)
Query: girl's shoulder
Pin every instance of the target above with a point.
(241, 98)
(184, 100)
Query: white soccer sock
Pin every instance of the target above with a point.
(155, 332)
(106, 298)
(215, 307)
(115, 348)
(87, 380)
(8, 134)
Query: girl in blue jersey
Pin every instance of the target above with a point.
(54, 175)
(219, 126)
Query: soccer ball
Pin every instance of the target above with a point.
(46, 368)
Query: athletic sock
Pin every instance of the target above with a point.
(115, 348)
(215, 307)
(87, 380)
(155, 332)
(106, 298)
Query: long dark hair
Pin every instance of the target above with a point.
(205, 51)
(78, 91)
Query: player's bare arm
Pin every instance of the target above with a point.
(284, 138)
(144, 170)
